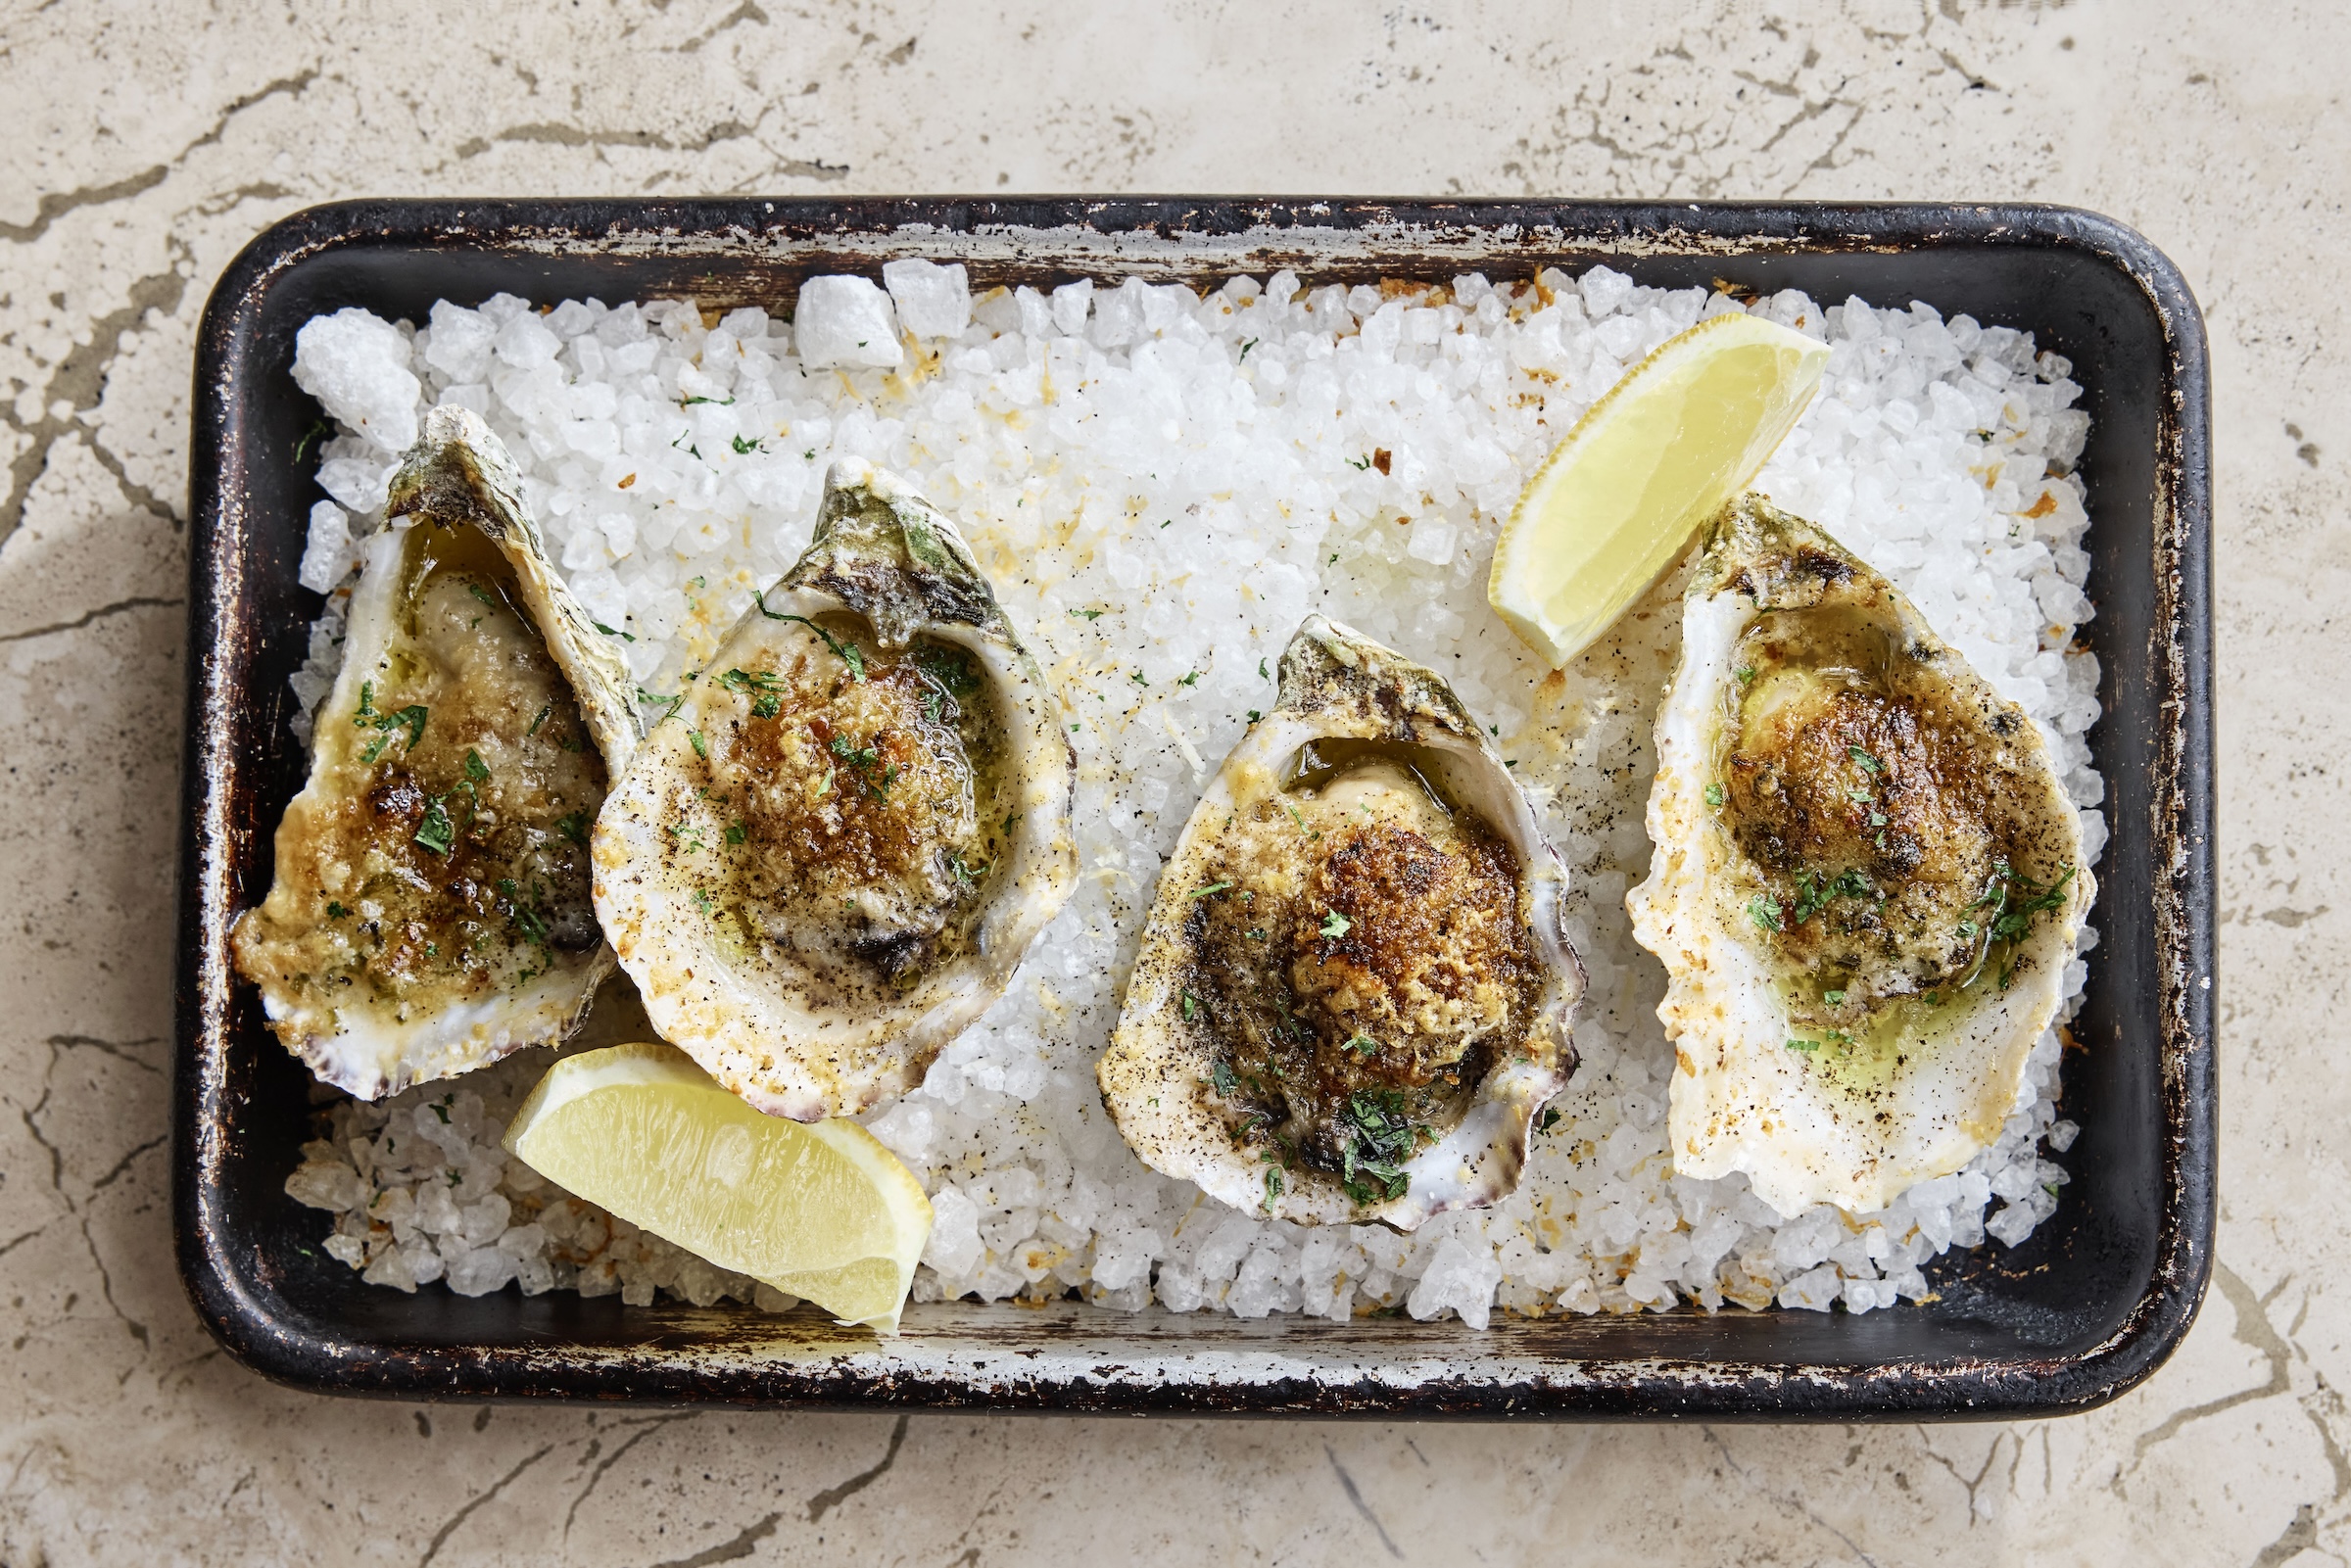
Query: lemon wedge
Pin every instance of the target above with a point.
(1617, 502)
(818, 1209)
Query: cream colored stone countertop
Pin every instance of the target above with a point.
(147, 142)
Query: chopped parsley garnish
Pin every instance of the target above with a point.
(1869, 764)
(862, 761)
(482, 594)
(848, 652)
(965, 873)
(573, 825)
(1255, 716)
(319, 427)
(1833, 998)
(1191, 1005)
(704, 902)
(1212, 888)
(1256, 933)
(476, 770)
(721, 402)
(335, 911)
(1261, 663)
(1375, 1138)
(1272, 1187)
(700, 749)
(1228, 1083)
(1549, 1119)
(536, 723)
(764, 690)
(1361, 1045)
(411, 719)
(608, 632)
(735, 833)
(744, 447)
(2012, 901)
(1715, 797)
(1803, 1045)
(1364, 463)
(1764, 911)
(1088, 615)
(435, 832)
(1335, 924)
(1745, 673)
(1246, 345)
(1192, 678)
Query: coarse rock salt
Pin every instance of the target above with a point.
(1162, 483)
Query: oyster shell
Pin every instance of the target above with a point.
(1353, 992)
(832, 852)
(429, 910)
(1867, 880)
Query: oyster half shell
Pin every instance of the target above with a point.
(831, 855)
(1866, 885)
(1353, 993)
(430, 908)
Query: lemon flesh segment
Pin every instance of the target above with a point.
(819, 1209)
(1617, 502)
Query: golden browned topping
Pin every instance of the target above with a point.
(845, 811)
(450, 859)
(1880, 814)
(1360, 960)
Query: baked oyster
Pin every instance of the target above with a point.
(832, 850)
(1867, 880)
(1353, 993)
(430, 909)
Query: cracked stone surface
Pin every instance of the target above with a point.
(149, 142)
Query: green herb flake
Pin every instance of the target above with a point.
(536, 723)
(1361, 1045)
(1833, 998)
(735, 833)
(700, 749)
(1228, 1081)
(435, 832)
(1764, 911)
(608, 632)
(1807, 1046)
(1336, 924)
(573, 825)
(1715, 797)
(1191, 1005)
(335, 911)
(1869, 764)
(1549, 1119)
(476, 770)
(482, 594)
(848, 652)
(744, 449)
(1212, 888)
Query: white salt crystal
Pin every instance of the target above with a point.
(845, 321)
(932, 300)
(357, 365)
(328, 557)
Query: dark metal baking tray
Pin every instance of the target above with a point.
(2089, 1305)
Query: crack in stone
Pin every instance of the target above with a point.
(120, 1050)
(555, 133)
(748, 12)
(2253, 1328)
(1989, 1454)
(58, 203)
(832, 1497)
(141, 603)
(123, 1165)
(441, 1536)
(79, 382)
(1794, 1504)
(735, 1550)
(645, 1430)
(1354, 1496)
(2297, 1538)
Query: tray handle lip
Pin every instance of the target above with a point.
(232, 1305)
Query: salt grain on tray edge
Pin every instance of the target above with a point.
(1163, 485)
